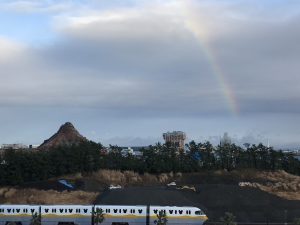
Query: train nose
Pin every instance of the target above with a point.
(205, 217)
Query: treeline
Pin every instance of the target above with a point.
(203, 156)
(19, 166)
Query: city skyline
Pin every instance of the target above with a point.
(126, 72)
(139, 142)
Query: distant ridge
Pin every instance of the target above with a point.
(67, 135)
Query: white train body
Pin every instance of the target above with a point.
(17, 213)
(135, 215)
(78, 214)
(113, 214)
(178, 215)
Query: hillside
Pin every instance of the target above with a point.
(67, 135)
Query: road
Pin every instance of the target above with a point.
(144, 196)
(249, 205)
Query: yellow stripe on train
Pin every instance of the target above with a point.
(202, 217)
(183, 217)
(65, 216)
(14, 215)
(155, 217)
(125, 216)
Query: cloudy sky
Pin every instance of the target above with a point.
(125, 71)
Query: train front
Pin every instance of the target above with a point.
(177, 215)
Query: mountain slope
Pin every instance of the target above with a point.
(67, 135)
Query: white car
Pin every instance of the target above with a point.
(172, 184)
(112, 187)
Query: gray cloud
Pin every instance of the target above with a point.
(152, 62)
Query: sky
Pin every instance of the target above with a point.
(125, 71)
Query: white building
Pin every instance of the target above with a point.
(14, 146)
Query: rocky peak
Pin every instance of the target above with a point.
(67, 135)
(66, 128)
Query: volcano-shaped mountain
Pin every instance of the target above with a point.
(67, 135)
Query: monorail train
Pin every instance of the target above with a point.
(113, 214)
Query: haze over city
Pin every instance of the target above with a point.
(124, 72)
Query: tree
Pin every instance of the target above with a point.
(253, 155)
(228, 219)
(161, 218)
(206, 150)
(98, 216)
(296, 221)
(247, 145)
(35, 219)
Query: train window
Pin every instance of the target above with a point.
(32, 210)
(18, 210)
(120, 210)
(53, 210)
(115, 211)
(107, 210)
(46, 210)
(180, 211)
(1, 210)
(199, 212)
(13, 210)
(85, 210)
(175, 211)
(171, 211)
(155, 211)
(70, 210)
(140, 211)
(124, 210)
(77, 210)
(9, 210)
(133, 211)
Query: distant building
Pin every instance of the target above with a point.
(33, 146)
(127, 151)
(14, 146)
(134, 151)
(225, 140)
(176, 138)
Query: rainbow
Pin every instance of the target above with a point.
(220, 76)
(202, 37)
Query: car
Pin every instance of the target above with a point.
(172, 184)
(112, 187)
(185, 187)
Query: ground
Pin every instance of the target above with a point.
(252, 196)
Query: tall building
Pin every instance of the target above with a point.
(225, 140)
(176, 138)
